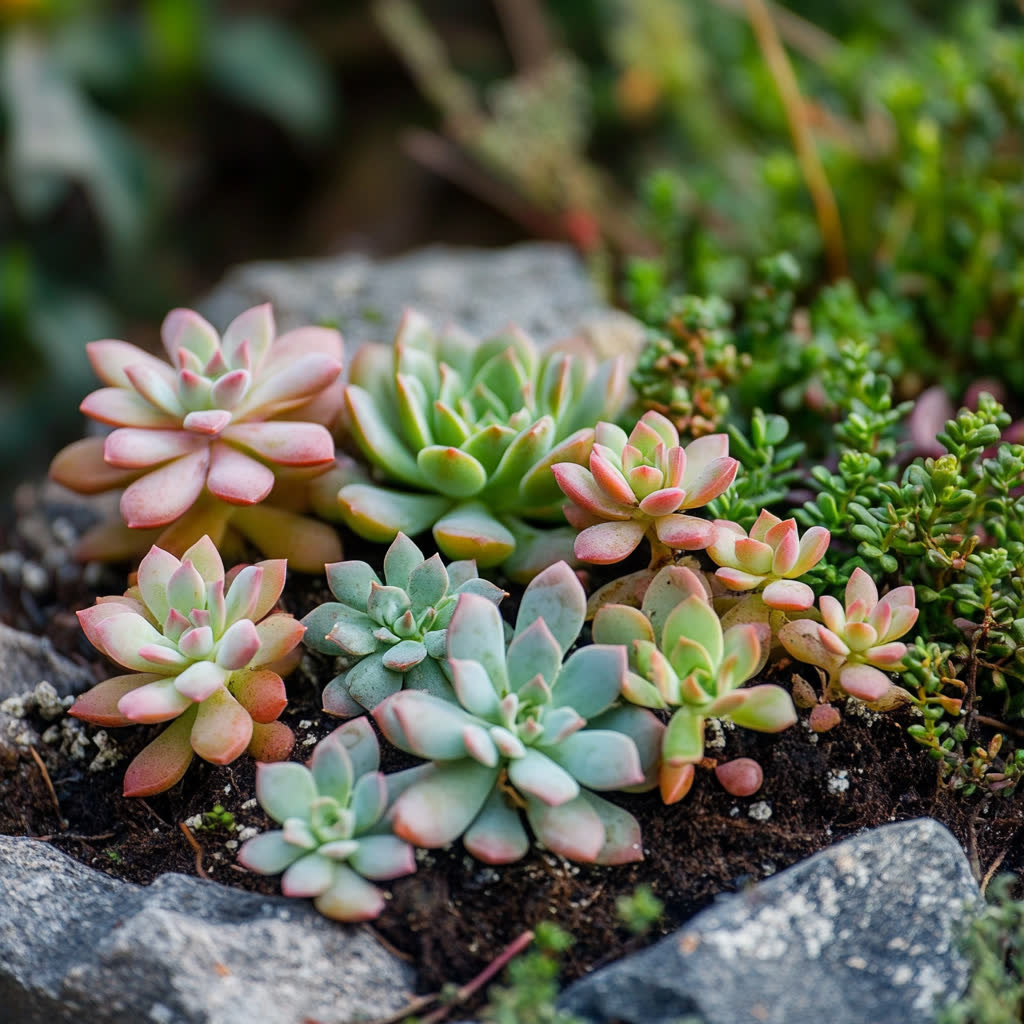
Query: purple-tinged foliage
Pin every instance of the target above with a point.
(216, 430)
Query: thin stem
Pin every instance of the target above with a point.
(200, 870)
(61, 820)
(471, 987)
(803, 140)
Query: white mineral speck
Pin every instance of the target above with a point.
(248, 833)
(231, 844)
(35, 577)
(838, 781)
(47, 703)
(761, 811)
(249, 804)
(64, 531)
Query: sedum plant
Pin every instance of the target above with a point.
(642, 485)
(857, 643)
(469, 430)
(680, 658)
(526, 732)
(394, 630)
(769, 559)
(201, 649)
(214, 431)
(333, 836)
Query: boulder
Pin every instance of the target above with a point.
(27, 660)
(76, 945)
(861, 933)
(542, 287)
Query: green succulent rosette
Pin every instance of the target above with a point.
(469, 431)
(391, 631)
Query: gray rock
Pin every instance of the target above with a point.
(541, 287)
(77, 946)
(861, 933)
(27, 660)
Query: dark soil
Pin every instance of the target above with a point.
(455, 914)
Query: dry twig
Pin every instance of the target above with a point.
(61, 820)
(200, 870)
(462, 993)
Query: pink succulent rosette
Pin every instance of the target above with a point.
(224, 421)
(769, 559)
(641, 485)
(201, 649)
(857, 644)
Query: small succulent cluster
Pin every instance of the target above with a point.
(470, 430)
(394, 631)
(681, 658)
(202, 650)
(214, 431)
(642, 485)
(856, 644)
(769, 560)
(521, 729)
(526, 732)
(334, 834)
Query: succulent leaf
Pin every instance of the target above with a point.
(331, 841)
(487, 425)
(204, 663)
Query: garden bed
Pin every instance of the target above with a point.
(456, 914)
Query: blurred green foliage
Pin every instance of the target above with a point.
(101, 128)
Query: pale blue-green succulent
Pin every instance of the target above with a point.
(527, 732)
(334, 833)
(393, 630)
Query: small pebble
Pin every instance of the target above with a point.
(35, 577)
(761, 811)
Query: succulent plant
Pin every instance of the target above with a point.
(216, 429)
(202, 649)
(858, 642)
(333, 836)
(527, 732)
(395, 630)
(470, 430)
(642, 486)
(769, 560)
(681, 658)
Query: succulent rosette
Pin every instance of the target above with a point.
(470, 430)
(856, 644)
(201, 649)
(769, 560)
(216, 429)
(681, 658)
(526, 732)
(642, 485)
(333, 835)
(394, 630)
